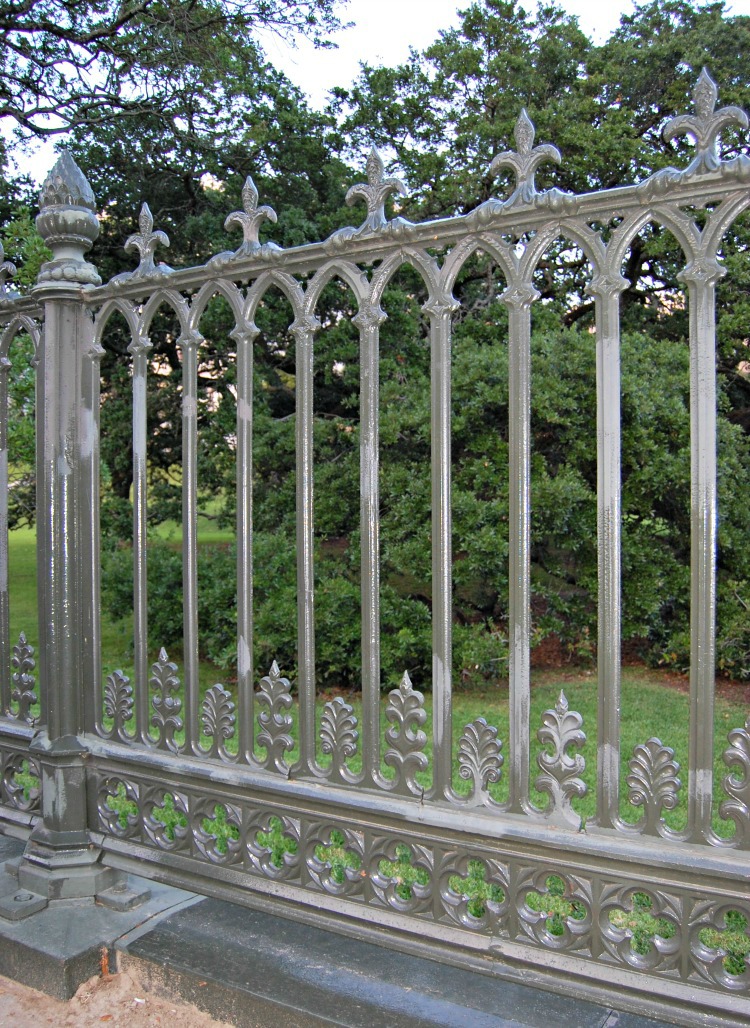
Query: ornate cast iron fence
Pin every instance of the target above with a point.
(512, 889)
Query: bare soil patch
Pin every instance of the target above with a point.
(115, 999)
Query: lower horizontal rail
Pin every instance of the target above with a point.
(586, 905)
(527, 955)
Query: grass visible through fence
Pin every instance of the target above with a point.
(650, 707)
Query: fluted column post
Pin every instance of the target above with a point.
(61, 860)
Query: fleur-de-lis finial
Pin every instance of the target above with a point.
(525, 160)
(249, 219)
(705, 125)
(145, 242)
(7, 270)
(375, 192)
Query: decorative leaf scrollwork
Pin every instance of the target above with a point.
(117, 804)
(166, 704)
(653, 783)
(218, 719)
(705, 125)
(524, 161)
(22, 783)
(118, 704)
(249, 219)
(145, 242)
(406, 713)
(339, 735)
(24, 682)
(479, 758)
(560, 778)
(737, 786)
(374, 192)
(7, 271)
(274, 697)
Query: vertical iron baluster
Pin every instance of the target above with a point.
(5, 653)
(139, 349)
(90, 540)
(606, 291)
(701, 276)
(303, 332)
(368, 320)
(518, 298)
(244, 337)
(440, 312)
(190, 536)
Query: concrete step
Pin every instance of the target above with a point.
(254, 969)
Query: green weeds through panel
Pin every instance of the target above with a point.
(641, 924)
(555, 905)
(403, 873)
(169, 817)
(220, 829)
(25, 779)
(338, 857)
(122, 806)
(733, 940)
(276, 841)
(476, 889)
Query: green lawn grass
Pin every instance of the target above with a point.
(22, 585)
(649, 706)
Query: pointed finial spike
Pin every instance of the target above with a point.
(524, 133)
(145, 219)
(375, 167)
(274, 672)
(405, 685)
(163, 656)
(705, 95)
(249, 195)
(562, 703)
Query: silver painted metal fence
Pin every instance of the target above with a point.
(126, 778)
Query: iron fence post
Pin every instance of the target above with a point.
(61, 859)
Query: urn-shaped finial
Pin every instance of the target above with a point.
(68, 224)
(66, 186)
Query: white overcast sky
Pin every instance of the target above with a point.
(385, 29)
(382, 33)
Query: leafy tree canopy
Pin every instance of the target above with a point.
(68, 63)
(440, 117)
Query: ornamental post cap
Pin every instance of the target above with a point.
(66, 186)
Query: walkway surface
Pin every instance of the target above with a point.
(248, 969)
